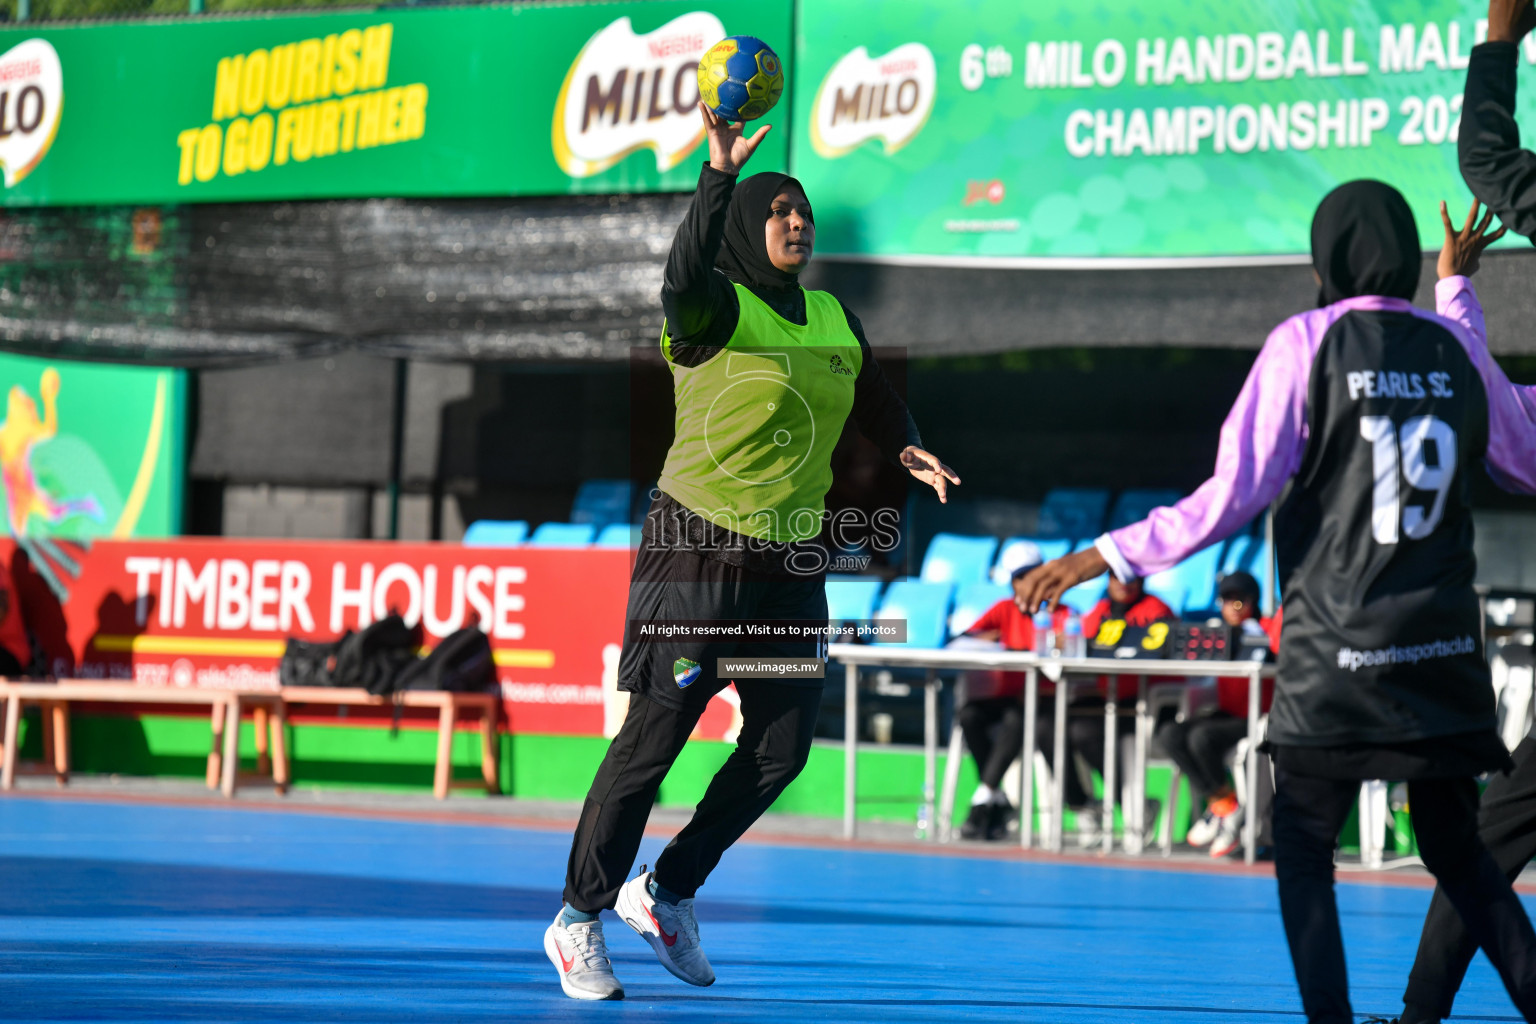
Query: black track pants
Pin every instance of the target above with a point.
(775, 741)
(994, 754)
(1309, 813)
(1199, 747)
(1507, 826)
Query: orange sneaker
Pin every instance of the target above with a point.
(1224, 804)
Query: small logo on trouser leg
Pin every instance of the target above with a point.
(685, 671)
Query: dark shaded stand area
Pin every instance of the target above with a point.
(512, 343)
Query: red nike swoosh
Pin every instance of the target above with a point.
(564, 963)
(668, 939)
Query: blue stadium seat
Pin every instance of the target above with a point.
(601, 502)
(495, 533)
(1134, 505)
(1049, 549)
(851, 597)
(972, 600)
(562, 535)
(641, 503)
(953, 558)
(925, 606)
(1252, 555)
(1073, 513)
(1247, 554)
(1189, 588)
(618, 535)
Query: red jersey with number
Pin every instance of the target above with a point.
(1143, 613)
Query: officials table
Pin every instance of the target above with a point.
(857, 656)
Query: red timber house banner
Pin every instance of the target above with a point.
(216, 614)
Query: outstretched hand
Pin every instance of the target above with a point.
(1462, 249)
(927, 468)
(1048, 582)
(729, 150)
(1510, 20)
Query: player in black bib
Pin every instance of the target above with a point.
(1364, 418)
(1502, 175)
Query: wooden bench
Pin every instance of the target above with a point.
(225, 710)
(449, 706)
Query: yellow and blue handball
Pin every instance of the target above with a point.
(740, 78)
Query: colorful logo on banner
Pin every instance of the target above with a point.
(31, 106)
(863, 97)
(305, 100)
(86, 453)
(627, 92)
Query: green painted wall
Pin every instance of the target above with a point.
(536, 767)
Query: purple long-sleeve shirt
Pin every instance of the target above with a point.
(1265, 434)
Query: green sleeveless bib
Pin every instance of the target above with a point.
(757, 422)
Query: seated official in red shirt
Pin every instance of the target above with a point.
(1128, 602)
(1131, 604)
(1199, 745)
(992, 715)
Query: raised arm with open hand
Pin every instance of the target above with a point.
(729, 149)
(1510, 20)
(1494, 165)
(1462, 249)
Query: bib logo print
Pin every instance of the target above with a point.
(685, 672)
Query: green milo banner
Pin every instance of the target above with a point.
(524, 99)
(89, 450)
(1059, 130)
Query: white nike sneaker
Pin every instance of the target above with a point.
(1204, 830)
(580, 955)
(672, 930)
(1230, 837)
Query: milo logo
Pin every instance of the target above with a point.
(863, 97)
(31, 103)
(626, 91)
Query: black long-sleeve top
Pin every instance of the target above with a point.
(702, 310)
(1496, 169)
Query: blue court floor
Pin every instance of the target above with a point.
(163, 913)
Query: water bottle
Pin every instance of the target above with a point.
(1073, 646)
(1045, 634)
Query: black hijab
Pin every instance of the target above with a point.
(1365, 242)
(743, 255)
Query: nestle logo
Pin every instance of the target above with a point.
(836, 366)
(24, 69)
(676, 46)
